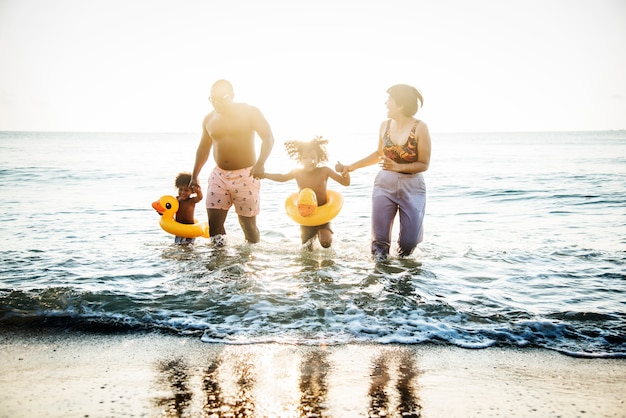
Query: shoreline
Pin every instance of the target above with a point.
(59, 374)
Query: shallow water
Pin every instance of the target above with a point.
(525, 245)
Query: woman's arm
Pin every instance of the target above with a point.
(364, 162)
(371, 159)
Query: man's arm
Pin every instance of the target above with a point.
(202, 154)
(262, 128)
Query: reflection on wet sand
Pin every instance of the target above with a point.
(288, 381)
(243, 405)
(174, 373)
(211, 389)
(379, 380)
(408, 405)
(381, 392)
(313, 384)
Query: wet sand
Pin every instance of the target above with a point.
(56, 374)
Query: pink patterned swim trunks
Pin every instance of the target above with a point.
(234, 187)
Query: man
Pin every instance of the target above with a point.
(230, 130)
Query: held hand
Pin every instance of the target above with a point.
(258, 171)
(193, 183)
(342, 169)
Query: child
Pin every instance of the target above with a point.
(312, 174)
(187, 199)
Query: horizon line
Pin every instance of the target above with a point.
(359, 133)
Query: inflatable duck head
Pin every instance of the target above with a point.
(307, 202)
(166, 205)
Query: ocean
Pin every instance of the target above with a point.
(525, 246)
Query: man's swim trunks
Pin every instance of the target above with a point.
(234, 187)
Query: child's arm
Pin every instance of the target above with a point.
(343, 178)
(280, 177)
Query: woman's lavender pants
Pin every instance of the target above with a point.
(397, 193)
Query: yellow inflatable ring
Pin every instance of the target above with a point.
(167, 206)
(322, 215)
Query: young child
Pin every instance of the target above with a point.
(312, 174)
(187, 199)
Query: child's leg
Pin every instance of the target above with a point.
(307, 233)
(325, 235)
(184, 241)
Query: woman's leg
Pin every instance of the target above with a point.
(411, 228)
(384, 209)
(412, 206)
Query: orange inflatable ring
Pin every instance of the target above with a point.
(167, 206)
(321, 215)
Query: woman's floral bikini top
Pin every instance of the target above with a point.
(405, 153)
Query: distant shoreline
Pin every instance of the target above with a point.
(620, 130)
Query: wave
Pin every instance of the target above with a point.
(390, 318)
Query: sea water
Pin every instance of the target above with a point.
(525, 246)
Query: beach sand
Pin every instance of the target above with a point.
(69, 374)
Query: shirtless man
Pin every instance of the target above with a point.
(230, 130)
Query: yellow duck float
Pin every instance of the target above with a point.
(167, 206)
(302, 207)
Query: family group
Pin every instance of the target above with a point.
(230, 130)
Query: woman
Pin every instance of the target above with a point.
(403, 154)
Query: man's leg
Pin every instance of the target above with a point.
(249, 228)
(217, 217)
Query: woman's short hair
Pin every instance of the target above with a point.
(408, 97)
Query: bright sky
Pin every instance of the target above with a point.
(312, 66)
